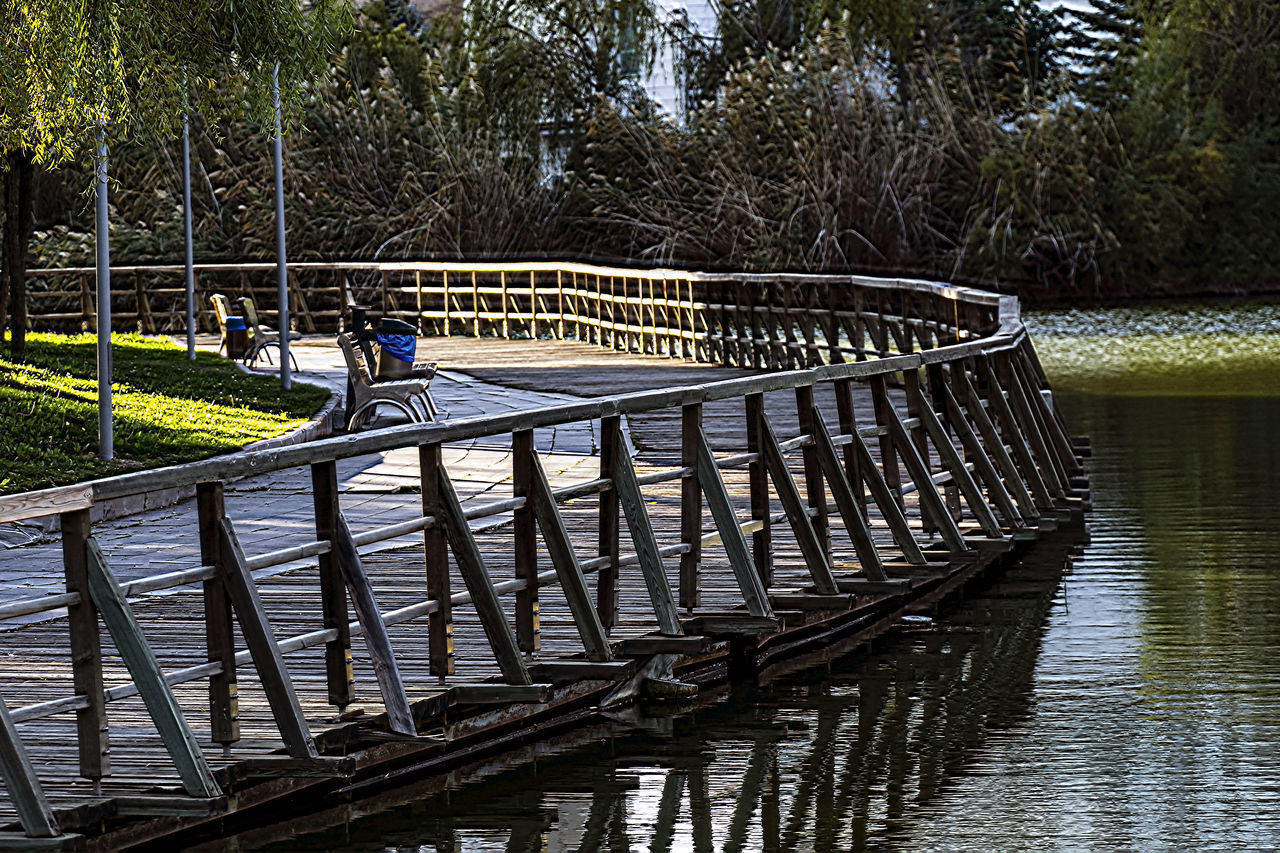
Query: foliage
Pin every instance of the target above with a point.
(71, 69)
(170, 409)
(77, 75)
(983, 139)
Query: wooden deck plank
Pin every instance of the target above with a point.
(291, 599)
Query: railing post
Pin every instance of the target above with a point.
(574, 308)
(961, 479)
(607, 577)
(533, 305)
(1050, 421)
(849, 507)
(565, 561)
(690, 506)
(86, 650)
(758, 479)
(613, 317)
(88, 316)
(811, 548)
(447, 331)
(754, 593)
(831, 328)
(983, 463)
(972, 402)
(761, 336)
(435, 552)
(888, 456)
(1013, 433)
(479, 583)
(904, 310)
(528, 633)
(220, 638)
(475, 306)
(882, 325)
(932, 508)
(385, 667)
(858, 339)
(919, 437)
(559, 325)
(417, 284)
(1025, 417)
(849, 426)
(814, 484)
(333, 592)
(746, 355)
(197, 293)
(808, 325)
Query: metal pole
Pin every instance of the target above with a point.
(186, 223)
(106, 450)
(282, 265)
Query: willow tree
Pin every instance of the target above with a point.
(74, 70)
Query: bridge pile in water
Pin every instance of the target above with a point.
(899, 444)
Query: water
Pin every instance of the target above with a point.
(1131, 704)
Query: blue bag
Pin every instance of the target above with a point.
(399, 347)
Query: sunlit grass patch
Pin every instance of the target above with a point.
(168, 409)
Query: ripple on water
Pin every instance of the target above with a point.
(1133, 705)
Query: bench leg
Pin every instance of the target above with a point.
(357, 416)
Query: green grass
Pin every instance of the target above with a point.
(168, 409)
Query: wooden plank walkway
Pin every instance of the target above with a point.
(939, 501)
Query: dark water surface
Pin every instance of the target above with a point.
(1132, 703)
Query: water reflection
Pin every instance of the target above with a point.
(832, 760)
(1132, 707)
(1155, 721)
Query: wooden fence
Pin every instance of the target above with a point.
(758, 320)
(965, 454)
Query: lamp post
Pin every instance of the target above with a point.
(282, 265)
(106, 443)
(186, 223)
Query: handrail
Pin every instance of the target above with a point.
(951, 351)
(246, 463)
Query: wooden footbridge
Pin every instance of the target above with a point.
(880, 444)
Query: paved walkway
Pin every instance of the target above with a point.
(378, 489)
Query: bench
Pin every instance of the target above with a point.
(409, 396)
(261, 337)
(222, 311)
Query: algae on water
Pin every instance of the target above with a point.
(1228, 349)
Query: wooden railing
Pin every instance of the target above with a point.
(979, 456)
(758, 320)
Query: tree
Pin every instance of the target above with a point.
(70, 69)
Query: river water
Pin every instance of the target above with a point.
(1132, 701)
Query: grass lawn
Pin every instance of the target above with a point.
(168, 409)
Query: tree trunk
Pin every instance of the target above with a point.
(18, 225)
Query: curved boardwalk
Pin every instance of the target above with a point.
(339, 619)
